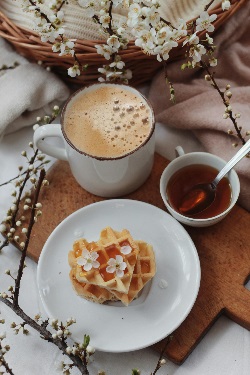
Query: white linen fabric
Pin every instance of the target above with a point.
(26, 91)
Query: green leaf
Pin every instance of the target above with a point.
(86, 341)
(135, 372)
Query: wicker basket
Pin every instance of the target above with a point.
(28, 44)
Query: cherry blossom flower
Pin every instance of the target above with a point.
(163, 51)
(196, 52)
(117, 64)
(133, 14)
(113, 42)
(65, 47)
(225, 5)
(88, 260)
(204, 22)
(181, 30)
(58, 18)
(104, 20)
(126, 249)
(151, 14)
(116, 265)
(104, 50)
(192, 39)
(163, 34)
(209, 39)
(119, 2)
(74, 71)
(213, 62)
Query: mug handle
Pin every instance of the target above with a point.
(49, 130)
(179, 151)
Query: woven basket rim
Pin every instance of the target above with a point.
(28, 43)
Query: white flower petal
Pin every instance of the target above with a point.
(87, 266)
(111, 262)
(95, 264)
(110, 269)
(94, 255)
(119, 259)
(80, 261)
(123, 266)
(85, 253)
(126, 249)
(119, 273)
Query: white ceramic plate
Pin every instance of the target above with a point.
(163, 303)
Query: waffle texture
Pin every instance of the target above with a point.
(97, 284)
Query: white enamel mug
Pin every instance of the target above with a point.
(105, 177)
(183, 160)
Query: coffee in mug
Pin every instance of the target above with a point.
(107, 121)
(108, 138)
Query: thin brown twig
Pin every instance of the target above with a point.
(221, 93)
(42, 329)
(6, 366)
(208, 5)
(170, 84)
(24, 251)
(168, 339)
(19, 175)
(4, 363)
(13, 218)
(46, 335)
(110, 30)
(52, 25)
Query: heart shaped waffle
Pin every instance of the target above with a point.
(144, 271)
(115, 252)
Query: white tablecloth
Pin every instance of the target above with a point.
(225, 350)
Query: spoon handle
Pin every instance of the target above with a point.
(235, 159)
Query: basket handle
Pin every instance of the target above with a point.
(39, 140)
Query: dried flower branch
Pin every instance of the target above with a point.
(24, 251)
(161, 361)
(3, 350)
(79, 353)
(51, 28)
(225, 96)
(153, 34)
(37, 157)
(29, 175)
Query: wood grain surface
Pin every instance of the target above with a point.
(223, 249)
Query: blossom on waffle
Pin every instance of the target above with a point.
(88, 260)
(116, 265)
(204, 22)
(126, 249)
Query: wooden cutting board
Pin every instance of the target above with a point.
(224, 251)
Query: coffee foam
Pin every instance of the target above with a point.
(108, 121)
